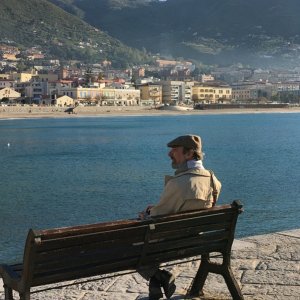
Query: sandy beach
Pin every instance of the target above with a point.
(25, 112)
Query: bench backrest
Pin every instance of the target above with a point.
(75, 252)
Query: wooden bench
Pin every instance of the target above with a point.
(70, 253)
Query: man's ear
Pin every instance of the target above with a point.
(189, 154)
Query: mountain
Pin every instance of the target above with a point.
(215, 31)
(41, 24)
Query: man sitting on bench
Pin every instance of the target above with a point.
(192, 187)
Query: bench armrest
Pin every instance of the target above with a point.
(9, 275)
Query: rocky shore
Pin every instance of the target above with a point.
(267, 267)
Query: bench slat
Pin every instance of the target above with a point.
(135, 234)
(88, 271)
(198, 220)
(188, 231)
(106, 247)
(184, 253)
(92, 257)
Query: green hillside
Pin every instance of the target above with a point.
(215, 31)
(38, 23)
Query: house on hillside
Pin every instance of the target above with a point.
(6, 83)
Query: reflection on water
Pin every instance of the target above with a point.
(62, 172)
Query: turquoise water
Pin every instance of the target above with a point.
(60, 172)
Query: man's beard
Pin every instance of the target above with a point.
(175, 166)
(179, 166)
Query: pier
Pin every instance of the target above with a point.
(267, 267)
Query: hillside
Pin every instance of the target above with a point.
(38, 23)
(254, 32)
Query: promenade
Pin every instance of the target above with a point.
(32, 112)
(267, 267)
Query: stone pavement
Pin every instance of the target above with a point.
(266, 267)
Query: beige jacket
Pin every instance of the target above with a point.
(185, 191)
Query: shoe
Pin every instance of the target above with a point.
(167, 281)
(154, 289)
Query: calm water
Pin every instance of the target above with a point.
(59, 172)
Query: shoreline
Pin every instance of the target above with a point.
(20, 112)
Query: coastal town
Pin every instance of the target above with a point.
(30, 78)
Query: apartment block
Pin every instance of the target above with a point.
(151, 92)
(102, 95)
(244, 94)
(211, 94)
(175, 92)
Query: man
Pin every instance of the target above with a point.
(192, 187)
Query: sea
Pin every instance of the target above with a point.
(70, 171)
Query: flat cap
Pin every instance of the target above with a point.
(189, 141)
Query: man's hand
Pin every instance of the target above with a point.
(148, 209)
(145, 213)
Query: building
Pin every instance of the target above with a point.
(36, 89)
(207, 78)
(102, 95)
(46, 77)
(244, 94)
(138, 72)
(6, 83)
(9, 94)
(151, 93)
(252, 90)
(5, 76)
(211, 94)
(22, 77)
(120, 97)
(92, 94)
(10, 57)
(176, 92)
(64, 101)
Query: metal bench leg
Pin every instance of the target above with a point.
(199, 280)
(25, 295)
(232, 285)
(8, 294)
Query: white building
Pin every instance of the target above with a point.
(175, 92)
(9, 93)
(64, 101)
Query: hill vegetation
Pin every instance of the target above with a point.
(41, 24)
(255, 32)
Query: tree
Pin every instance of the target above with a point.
(89, 75)
(5, 100)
